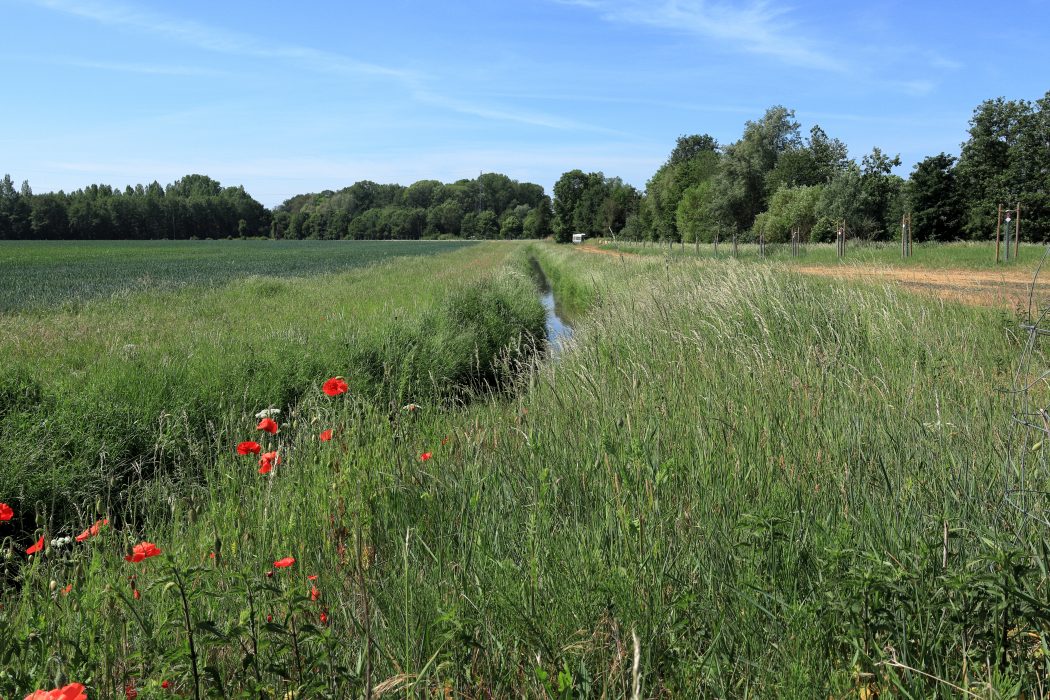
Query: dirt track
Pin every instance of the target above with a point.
(1006, 288)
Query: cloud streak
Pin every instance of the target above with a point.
(125, 67)
(218, 40)
(755, 27)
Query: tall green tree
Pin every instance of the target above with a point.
(695, 159)
(934, 199)
(988, 170)
(742, 186)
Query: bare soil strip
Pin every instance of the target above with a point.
(1007, 288)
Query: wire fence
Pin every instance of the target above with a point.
(1027, 477)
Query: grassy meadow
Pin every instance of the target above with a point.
(979, 255)
(735, 481)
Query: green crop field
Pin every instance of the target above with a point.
(36, 274)
(725, 485)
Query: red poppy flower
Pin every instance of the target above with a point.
(129, 691)
(248, 447)
(323, 618)
(269, 425)
(284, 563)
(73, 691)
(143, 550)
(6, 513)
(425, 456)
(268, 459)
(335, 386)
(165, 685)
(136, 594)
(93, 530)
(311, 577)
(314, 593)
(36, 547)
(326, 436)
(269, 618)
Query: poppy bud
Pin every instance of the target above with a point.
(269, 618)
(53, 585)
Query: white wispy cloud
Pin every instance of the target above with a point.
(527, 117)
(214, 39)
(753, 27)
(124, 66)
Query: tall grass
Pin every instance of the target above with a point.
(759, 485)
(976, 255)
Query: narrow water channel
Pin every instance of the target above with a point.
(558, 330)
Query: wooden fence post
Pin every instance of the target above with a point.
(998, 228)
(1017, 231)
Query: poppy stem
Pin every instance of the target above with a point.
(364, 599)
(189, 633)
(254, 631)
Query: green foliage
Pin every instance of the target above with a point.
(693, 162)
(1005, 161)
(742, 186)
(934, 200)
(591, 203)
(426, 209)
(695, 217)
(790, 208)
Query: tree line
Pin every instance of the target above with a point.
(770, 182)
(491, 206)
(774, 180)
(195, 206)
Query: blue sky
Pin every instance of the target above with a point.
(287, 99)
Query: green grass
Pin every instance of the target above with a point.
(759, 493)
(975, 255)
(44, 274)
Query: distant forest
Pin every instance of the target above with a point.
(770, 182)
